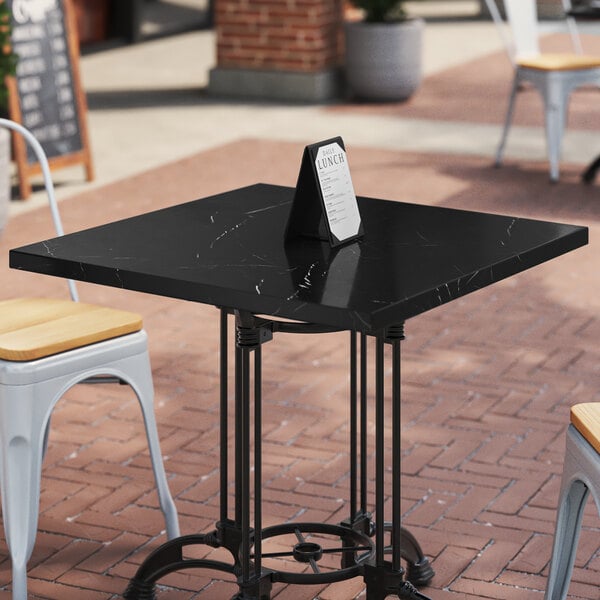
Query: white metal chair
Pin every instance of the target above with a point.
(555, 76)
(581, 475)
(47, 346)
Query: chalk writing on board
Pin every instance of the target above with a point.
(44, 76)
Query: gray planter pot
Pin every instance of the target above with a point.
(383, 60)
(5, 187)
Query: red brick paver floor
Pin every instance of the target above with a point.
(477, 92)
(487, 383)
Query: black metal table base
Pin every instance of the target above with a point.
(358, 542)
(356, 559)
(591, 171)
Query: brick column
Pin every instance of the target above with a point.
(278, 49)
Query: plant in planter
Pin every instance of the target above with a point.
(8, 65)
(383, 51)
(8, 59)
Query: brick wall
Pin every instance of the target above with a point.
(281, 35)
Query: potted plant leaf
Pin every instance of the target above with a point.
(8, 65)
(383, 51)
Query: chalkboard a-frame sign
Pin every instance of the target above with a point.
(46, 95)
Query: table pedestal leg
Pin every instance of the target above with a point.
(383, 581)
(238, 535)
(384, 577)
(254, 582)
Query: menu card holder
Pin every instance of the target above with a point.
(324, 205)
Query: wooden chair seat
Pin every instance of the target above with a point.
(560, 62)
(32, 328)
(585, 418)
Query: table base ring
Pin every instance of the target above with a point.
(352, 543)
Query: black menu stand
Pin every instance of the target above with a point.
(309, 216)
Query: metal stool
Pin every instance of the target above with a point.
(581, 475)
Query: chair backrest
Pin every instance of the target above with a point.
(523, 21)
(522, 17)
(572, 25)
(49, 185)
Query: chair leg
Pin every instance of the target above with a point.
(25, 411)
(144, 389)
(21, 446)
(46, 439)
(508, 120)
(555, 117)
(571, 504)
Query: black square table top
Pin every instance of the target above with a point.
(228, 250)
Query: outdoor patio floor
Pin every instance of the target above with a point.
(487, 383)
